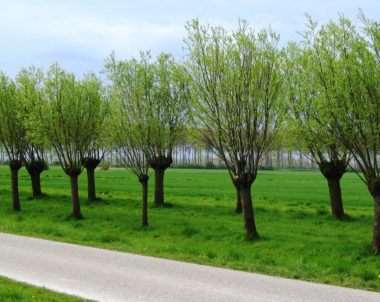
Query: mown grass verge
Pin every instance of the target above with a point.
(11, 291)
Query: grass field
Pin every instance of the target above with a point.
(298, 239)
(11, 291)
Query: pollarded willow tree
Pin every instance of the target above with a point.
(347, 72)
(166, 90)
(236, 84)
(98, 146)
(128, 130)
(12, 132)
(167, 118)
(308, 124)
(29, 92)
(67, 116)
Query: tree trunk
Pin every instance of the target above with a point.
(35, 168)
(239, 208)
(335, 198)
(333, 172)
(90, 164)
(376, 224)
(248, 215)
(159, 174)
(91, 184)
(144, 182)
(159, 164)
(374, 188)
(15, 166)
(75, 197)
(243, 184)
(145, 204)
(35, 177)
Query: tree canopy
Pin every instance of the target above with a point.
(236, 82)
(347, 74)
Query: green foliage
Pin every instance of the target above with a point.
(104, 165)
(308, 128)
(210, 165)
(149, 100)
(29, 92)
(129, 126)
(187, 166)
(235, 86)
(100, 114)
(12, 130)
(346, 77)
(68, 116)
(167, 113)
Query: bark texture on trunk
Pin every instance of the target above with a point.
(249, 218)
(15, 165)
(333, 172)
(159, 165)
(336, 198)
(35, 168)
(239, 208)
(243, 184)
(75, 196)
(144, 182)
(36, 184)
(91, 193)
(90, 164)
(159, 186)
(374, 188)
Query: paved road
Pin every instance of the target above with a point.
(105, 275)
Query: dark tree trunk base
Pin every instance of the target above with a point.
(15, 165)
(374, 188)
(91, 193)
(249, 218)
(90, 164)
(159, 186)
(144, 182)
(376, 224)
(36, 184)
(239, 208)
(159, 165)
(243, 184)
(75, 196)
(35, 168)
(335, 198)
(333, 172)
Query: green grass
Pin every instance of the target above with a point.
(11, 291)
(299, 239)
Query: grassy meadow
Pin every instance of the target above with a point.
(298, 237)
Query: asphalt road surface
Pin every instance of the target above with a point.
(104, 275)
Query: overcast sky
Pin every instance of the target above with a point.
(80, 34)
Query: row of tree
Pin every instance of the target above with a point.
(234, 90)
(39, 112)
(188, 154)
